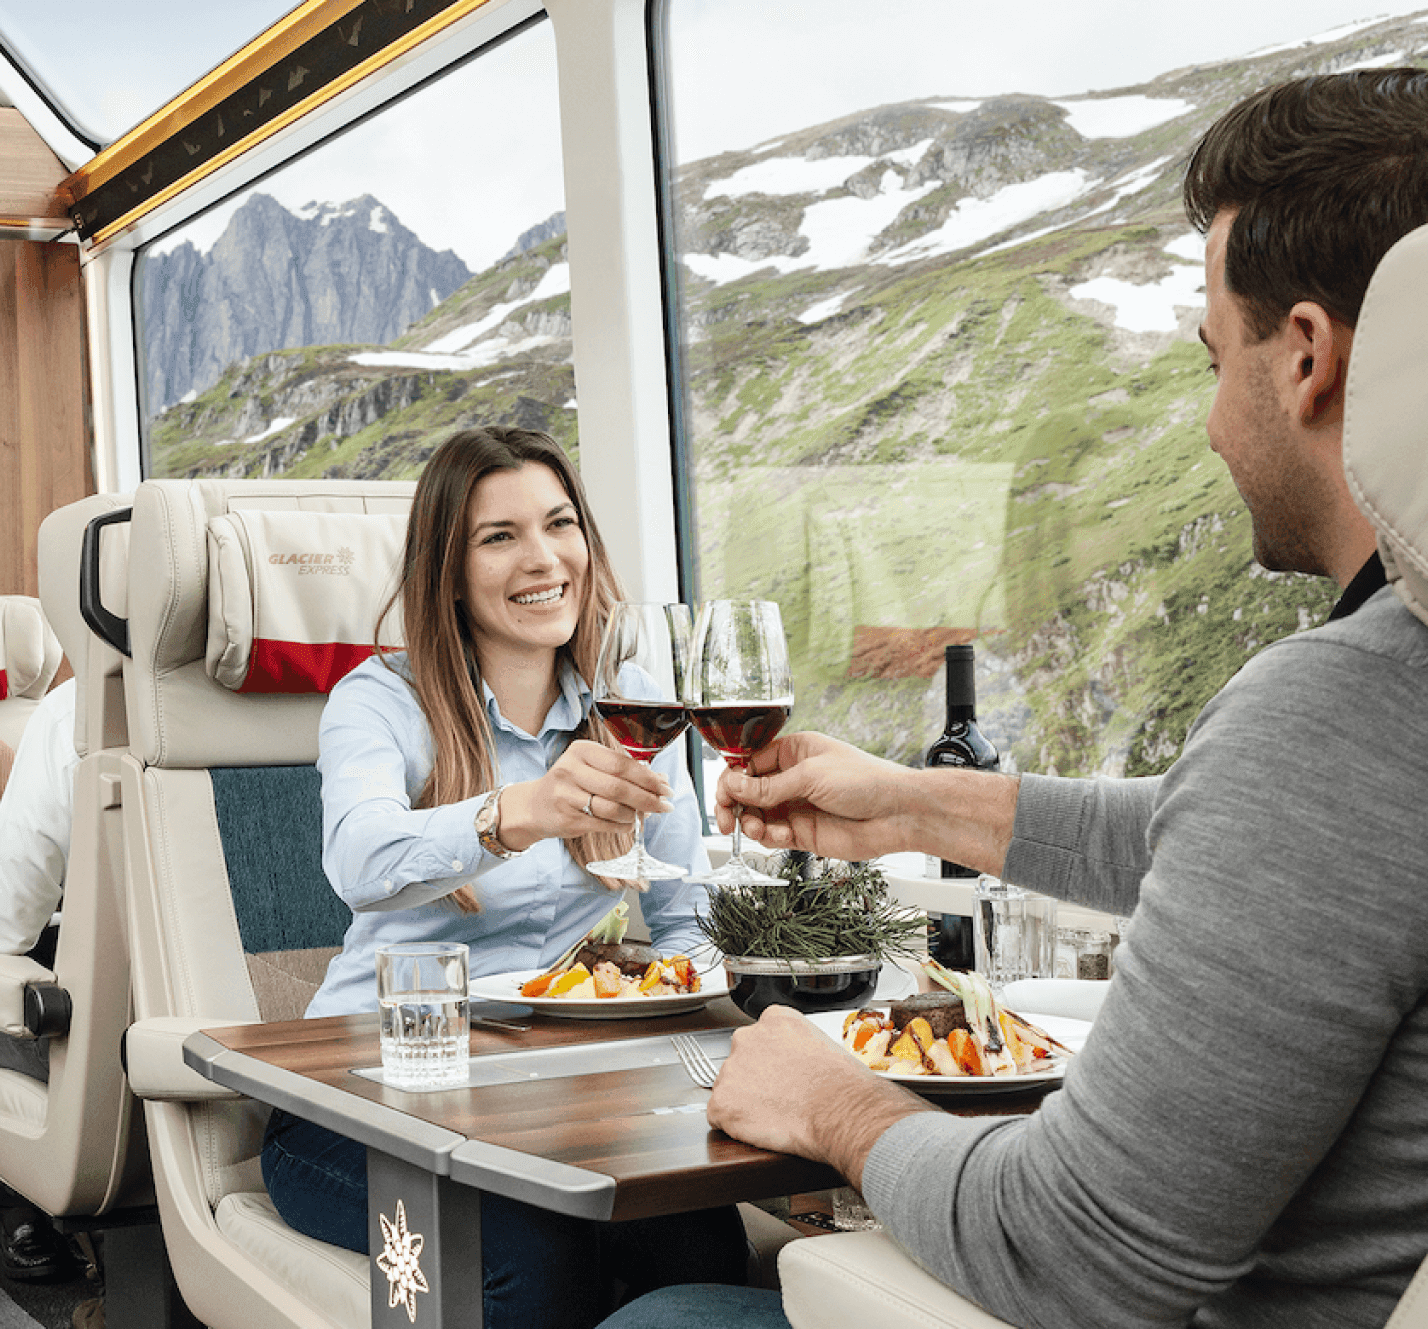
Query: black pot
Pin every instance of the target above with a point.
(838, 984)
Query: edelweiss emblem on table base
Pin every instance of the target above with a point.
(400, 1261)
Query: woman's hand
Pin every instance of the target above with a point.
(612, 785)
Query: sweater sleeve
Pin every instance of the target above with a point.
(1082, 840)
(1276, 953)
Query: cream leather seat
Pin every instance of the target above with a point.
(29, 660)
(862, 1280)
(69, 1145)
(232, 918)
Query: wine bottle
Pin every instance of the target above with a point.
(949, 936)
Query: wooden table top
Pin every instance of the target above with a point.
(641, 1133)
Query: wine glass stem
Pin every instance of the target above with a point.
(738, 838)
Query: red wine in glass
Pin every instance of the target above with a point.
(736, 730)
(644, 728)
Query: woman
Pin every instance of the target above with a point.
(465, 783)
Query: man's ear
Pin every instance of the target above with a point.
(1319, 345)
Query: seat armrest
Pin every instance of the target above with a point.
(862, 1279)
(15, 972)
(153, 1051)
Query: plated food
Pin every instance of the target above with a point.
(507, 988)
(608, 971)
(959, 1031)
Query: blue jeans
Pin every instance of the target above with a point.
(542, 1270)
(702, 1306)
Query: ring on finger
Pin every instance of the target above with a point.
(589, 809)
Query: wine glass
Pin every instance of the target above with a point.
(739, 691)
(637, 694)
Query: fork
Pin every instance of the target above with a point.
(696, 1061)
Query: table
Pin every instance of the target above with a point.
(596, 1143)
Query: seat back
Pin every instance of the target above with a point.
(29, 659)
(1386, 464)
(246, 601)
(75, 1145)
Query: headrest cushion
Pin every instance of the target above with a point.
(29, 650)
(293, 596)
(1386, 417)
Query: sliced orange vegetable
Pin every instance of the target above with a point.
(536, 987)
(906, 1049)
(865, 1031)
(572, 978)
(964, 1051)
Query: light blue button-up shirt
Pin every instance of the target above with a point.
(395, 865)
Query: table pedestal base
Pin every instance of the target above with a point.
(415, 1281)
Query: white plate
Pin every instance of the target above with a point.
(507, 987)
(1062, 1028)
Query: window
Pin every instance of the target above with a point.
(937, 306)
(404, 279)
(106, 66)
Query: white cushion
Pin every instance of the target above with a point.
(862, 1281)
(23, 1099)
(1385, 410)
(29, 650)
(294, 596)
(332, 1280)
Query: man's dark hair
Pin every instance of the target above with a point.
(1325, 174)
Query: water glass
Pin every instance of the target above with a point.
(1014, 933)
(423, 998)
(851, 1212)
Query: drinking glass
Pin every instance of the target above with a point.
(423, 998)
(1014, 932)
(739, 692)
(637, 694)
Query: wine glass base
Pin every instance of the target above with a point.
(736, 872)
(637, 866)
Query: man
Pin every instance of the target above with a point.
(36, 810)
(1244, 1140)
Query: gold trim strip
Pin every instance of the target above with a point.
(136, 149)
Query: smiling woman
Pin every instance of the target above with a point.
(466, 784)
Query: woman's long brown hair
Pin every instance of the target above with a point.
(442, 663)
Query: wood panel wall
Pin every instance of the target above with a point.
(44, 420)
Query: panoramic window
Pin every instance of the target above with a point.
(349, 311)
(938, 308)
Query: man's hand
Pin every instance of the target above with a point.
(808, 791)
(789, 1088)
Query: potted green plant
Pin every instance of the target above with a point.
(815, 941)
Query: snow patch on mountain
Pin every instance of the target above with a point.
(1153, 306)
(782, 176)
(976, 219)
(1121, 117)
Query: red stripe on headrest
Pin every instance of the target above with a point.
(4, 685)
(299, 666)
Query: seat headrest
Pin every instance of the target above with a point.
(1386, 417)
(29, 650)
(208, 601)
(293, 596)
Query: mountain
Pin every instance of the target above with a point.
(943, 383)
(347, 272)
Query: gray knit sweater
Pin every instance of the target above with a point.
(1244, 1140)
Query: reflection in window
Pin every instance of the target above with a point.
(346, 314)
(938, 325)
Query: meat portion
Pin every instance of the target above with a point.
(942, 1010)
(627, 958)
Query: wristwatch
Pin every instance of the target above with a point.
(488, 825)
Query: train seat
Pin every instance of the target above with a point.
(232, 918)
(863, 1279)
(74, 1146)
(29, 659)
